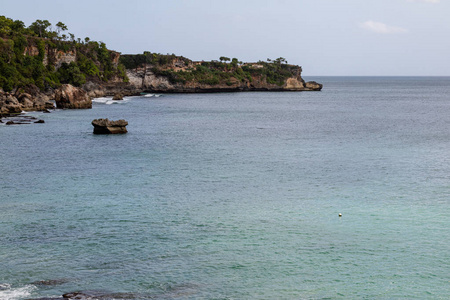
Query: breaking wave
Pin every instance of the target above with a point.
(9, 293)
(109, 101)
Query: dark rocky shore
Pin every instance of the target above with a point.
(13, 103)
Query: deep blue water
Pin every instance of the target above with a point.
(235, 196)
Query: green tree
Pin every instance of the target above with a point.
(71, 73)
(61, 27)
(53, 35)
(86, 65)
(5, 26)
(280, 60)
(18, 26)
(234, 62)
(224, 58)
(39, 27)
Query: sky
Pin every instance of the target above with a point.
(325, 37)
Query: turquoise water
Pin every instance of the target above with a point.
(235, 196)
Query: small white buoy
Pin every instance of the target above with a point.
(340, 215)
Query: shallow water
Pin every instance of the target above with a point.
(235, 196)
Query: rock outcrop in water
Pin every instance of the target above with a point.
(118, 96)
(21, 119)
(313, 86)
(105, 126)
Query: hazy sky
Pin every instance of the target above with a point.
(326, 37)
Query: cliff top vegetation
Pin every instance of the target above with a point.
(47, 56)
(31, 56)
(179, 69)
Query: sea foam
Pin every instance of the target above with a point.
(102, 99)
(109, 101)
(8, 293)
(151, 95)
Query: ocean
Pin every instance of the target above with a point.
(234, 196)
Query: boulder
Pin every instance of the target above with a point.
(42, 102)
(27, 104)
(9, 104)
(294, 84)
(118, 96)
(31, 98)
(105, 126)
(11, 109)
(68, 96)
(93, 89)
(313, 86)
(39, 121)
(23, 97)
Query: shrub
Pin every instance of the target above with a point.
(71, 73)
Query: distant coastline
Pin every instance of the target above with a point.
(39, 64)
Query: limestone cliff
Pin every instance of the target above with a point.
(55, 56)
(169, 73)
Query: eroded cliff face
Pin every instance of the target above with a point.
(294, 84)
(144, 78)
(115, 56)
(57, 57)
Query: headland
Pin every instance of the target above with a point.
(39, 65)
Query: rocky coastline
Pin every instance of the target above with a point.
(42, 69)
(70, 97)
(181, 75)
(143, 79)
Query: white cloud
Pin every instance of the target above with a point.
(427, 1)
(382, 28)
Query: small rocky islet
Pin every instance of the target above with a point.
(105, 126)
